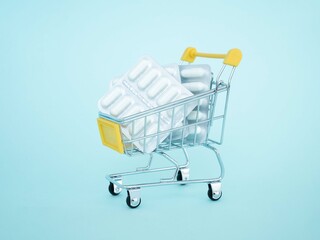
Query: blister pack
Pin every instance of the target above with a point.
(146, 86)
(174, 71)
(197, 79)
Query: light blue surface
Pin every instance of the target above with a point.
(56, 60)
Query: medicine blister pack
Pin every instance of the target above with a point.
(174, 71)
(146, 86)
(197, 79)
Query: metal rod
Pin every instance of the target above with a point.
(148, 166)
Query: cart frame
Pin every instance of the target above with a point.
(181, 171)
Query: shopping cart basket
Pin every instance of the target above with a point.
(111, 136)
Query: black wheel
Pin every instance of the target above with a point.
(129, 203)
(214, 196)
(111, 190)
(179, 176)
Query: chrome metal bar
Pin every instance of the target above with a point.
(119, 175)
(171, 128)
(163, 107)
(184, 123)
(187, 158)
(164, 132)
(144, 133)
(155, 184)
(148, 166)
(112, 178)
(219, 159)
(166, 156)
(197, 119)
(133, 123)
(219, 75)
(226, 105)
(158, 130)
(218, 117)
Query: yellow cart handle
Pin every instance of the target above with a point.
(232, 58)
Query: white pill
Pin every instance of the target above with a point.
(193, 72)
(157, 87)
(139, 69)
(111, 97)
(203, 102)
(133, 110)
(148, 78)
(193, 116)
(168, 96)
(196, 86)
(200, 134)
(121, 106)
(193, 131)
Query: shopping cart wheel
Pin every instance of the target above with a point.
(114, 190)
(133, 199)
(183, 174)
(179, 176)
(214, 191)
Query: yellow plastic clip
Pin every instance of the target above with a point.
(232, 58)
(110, 134)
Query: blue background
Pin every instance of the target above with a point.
(56, 60)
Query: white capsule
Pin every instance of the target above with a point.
(148, 78)
(196, 86)
(133, 110)
(193, 116)
(138, 70)
(203, 102)
(199, 133)
(193, 130)
(193, 72)
(168, 96)
(111, 97)
(157, 87)
(120, 106)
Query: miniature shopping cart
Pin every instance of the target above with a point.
(111, 135)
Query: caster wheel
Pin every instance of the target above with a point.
(183, 174)
(133, 202)
(114, 190)
(214, 196)
(179, 176)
